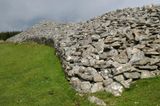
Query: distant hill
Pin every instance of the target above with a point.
(6, 35)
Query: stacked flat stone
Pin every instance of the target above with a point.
(108, 52)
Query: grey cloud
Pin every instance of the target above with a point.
(20, 14)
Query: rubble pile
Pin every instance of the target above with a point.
(106, 53)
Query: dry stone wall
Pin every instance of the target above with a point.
(106, 53)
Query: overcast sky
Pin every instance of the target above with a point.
(20, 14)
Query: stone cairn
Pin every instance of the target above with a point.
(106, 53)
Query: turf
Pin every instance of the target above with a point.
(144, 92)
(31, 75)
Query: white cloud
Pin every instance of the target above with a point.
(19, 14)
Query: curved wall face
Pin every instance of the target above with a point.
(105, 53)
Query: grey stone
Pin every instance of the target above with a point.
(97, 87)
(123, 68)
(147, 67)
(110, 40)
(121, 58)
(72, 72)
(99, 45)
(126, 83)
(99, 62)
(132, 75)
(137, 55)
(76, 83)
(91, 71)
(143, 61)
(147, 74)
(129, 52)
(92, 62)
(99, 30)
(108, 64)
(119, 78)
(107, 82)
(81, 69)
(105, 73)
(154, 61)
(90, 49)
(69, 58)
(87, 41)
(97, 101)
(77, 53)
(157, 41)
(85, 61)
(97, 78)
(140, 46)
(139, 36)
(85, 77)
(103, 55)
(95, 56)
(116, 44)
(156, 73)
(86, 86)
(152, 53)
(114, 64)
(115, 88)
(107, 23)
(104, 34)
(130, 36)
(158, 64)
(112, 52)
(95, 37)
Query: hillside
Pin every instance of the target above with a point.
(108, 52)
(31, 75)
(36, 77)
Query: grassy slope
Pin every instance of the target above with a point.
(31, 75)
(143, 93)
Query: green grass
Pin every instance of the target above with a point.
(143, 93)
(31, 75)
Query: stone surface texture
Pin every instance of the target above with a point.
(97, 101)
(108, 52)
